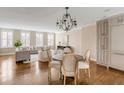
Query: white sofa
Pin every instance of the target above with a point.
(7, 51)
(22, 55)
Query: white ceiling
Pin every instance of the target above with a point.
(44, 18)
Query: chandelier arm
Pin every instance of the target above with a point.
(62, 27)
(64, 22)
(71, 23)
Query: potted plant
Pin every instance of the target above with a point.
(18, 44)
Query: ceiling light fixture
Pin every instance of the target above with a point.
(66, 23)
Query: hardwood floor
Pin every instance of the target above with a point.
(36, 73)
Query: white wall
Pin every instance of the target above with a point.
(80, 40)
(60, 37)
(89, 39)
(17, 36)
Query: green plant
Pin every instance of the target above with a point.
(18, 44)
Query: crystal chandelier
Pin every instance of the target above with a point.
(66, 23)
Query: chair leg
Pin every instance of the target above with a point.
(49, 76)
(59, 77)
(60, 72)
(89, 72)
(75, 79)
(49, 73)
(78, 74)
(64, 79)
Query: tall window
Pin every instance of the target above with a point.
(50, 39)
(6, 39)
(39, 39)
(25, 38)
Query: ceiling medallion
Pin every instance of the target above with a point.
(66, 23)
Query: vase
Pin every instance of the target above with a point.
(17, 49)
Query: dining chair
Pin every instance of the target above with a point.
(67, 50)
(57, 54)
(53, 64)
(85, 64)
(43, 55)
(69, 67)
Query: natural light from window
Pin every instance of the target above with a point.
(25, 38)
(6, 39)
(51, 39)
(39, 39)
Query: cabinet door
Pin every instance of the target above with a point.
(117, 38)
(117, 61)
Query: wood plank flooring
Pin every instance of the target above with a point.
(36, 73)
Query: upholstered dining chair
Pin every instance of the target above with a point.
(69, 67)
(85, 64)
(67, 50)
(53, 64)
(57, 54)
(43, 55)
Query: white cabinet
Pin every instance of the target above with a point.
(117, 61)
(110, 42)
(117, 42)
(103, 42)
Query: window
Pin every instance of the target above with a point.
(39, 39)
(25, 38)
(50, 39)
(6, 39)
